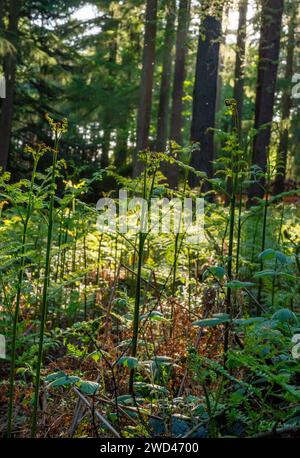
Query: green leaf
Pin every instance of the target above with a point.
(121, 302)
(128, 361)
(125, 399)
(54, 376)
(163, 359)
(128, 343)
(266, 254)
(236, 284)
(281, 257)
(64, 381)
(215, 271)
(221, 316)
(155, 315)
(151, 387)
(87, 387)
(265, 273)
(285, 316)
(210, 322)
(274, 273)
(269, 253)
(247, 321)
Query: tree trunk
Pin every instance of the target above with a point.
(10, 78)
(178, 89)
(286, 109)
(205, 93)
(104, 161)
(1, 35)
(238, 91)
(1, 14)
(269, 48)
(164, 97)
(146, 86)
(121, 147)
(112, 25)
(225, 30)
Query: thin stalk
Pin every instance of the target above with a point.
(177, 240)
(189, 283)
(176, 254)
(59, 247)
(263, 245)
(137, 306)
(75, 238)
(239, 222)
(85, 275)
(136, 317)
(98, 272)
(229, 263)
(45, 292)
(276, 260)
(18, 299)
(98, 260)
(231, 228)
(239, 232)
(65, 241)
(142, 239)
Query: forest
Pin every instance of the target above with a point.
(149, 219)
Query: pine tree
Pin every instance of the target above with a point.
(176, 123)
(238, 92)
(205, 91)
(286, 106)
(165, 86)
(10, 68)
(146, 85)
(269, 47)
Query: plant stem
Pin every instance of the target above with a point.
(18, 299)
(45, 295)
(85, 274)
(234, 167)
(276, 260)
(263, 245)
(142, 239)
(137, 306)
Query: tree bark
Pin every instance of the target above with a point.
(164, 97)
(104, 161)
(269, 48)
(225, 29)
(1, 14)
(121, 147)
(146, 85)
(1, 34)
(176, 124)
(205, 93)
(108, 117)
(10, 64)
(238, 91)
(282, 153)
